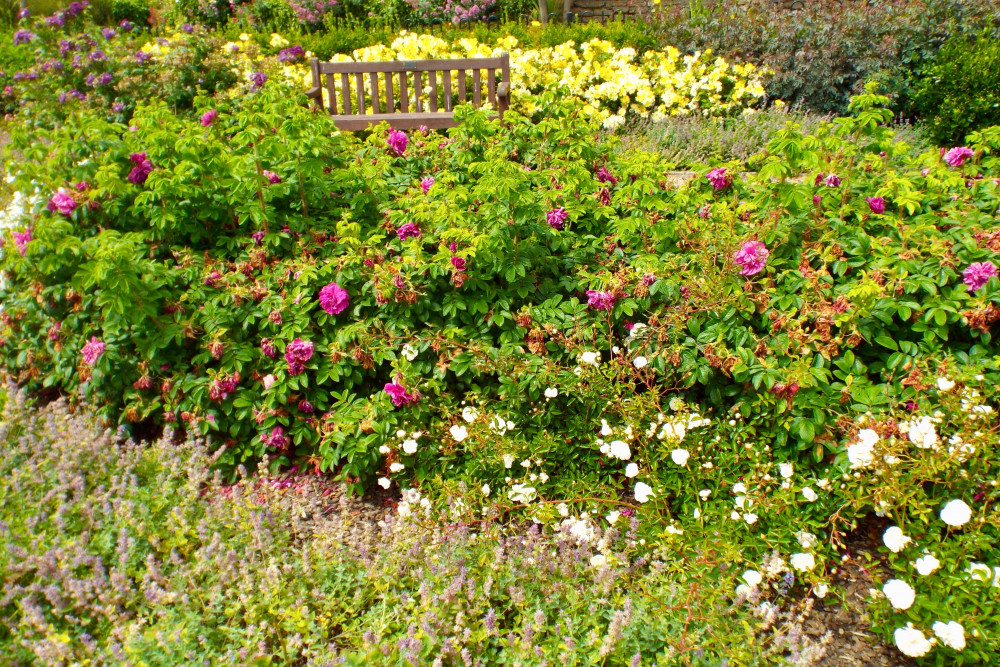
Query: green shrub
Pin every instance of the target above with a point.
(135, 11)
(823, 53)
(960, 93)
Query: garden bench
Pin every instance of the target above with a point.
(434, 110)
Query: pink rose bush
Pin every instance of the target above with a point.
(333, 299)
(956, 157)
(978, 274)
(751, 257)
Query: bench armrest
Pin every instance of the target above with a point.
(314, 92)
(503, 90)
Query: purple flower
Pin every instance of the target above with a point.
(105, 78)
(258, 238)
(142, 56)
(398, 394)
(97, 56)
(62, 202)
(306, 407)
(817, 200)
(23, 37)
(334, 299)
(55, 21)
(24, 13)
(140, 172)
(126, 25)
(556, 218)
(426, 184)
(272, 177)
(21, 240)
(398, 141)
(109, 33)
(118, 107)
(92, 351)
(978, 274)
(208, 117)
(187, 27)
(832, 181)
(297, 353)
(290, 54)
(54, 330)
(876, 204)
(751, 258)
(408, 230)
(718, 178)
(600, 300)
(605, 176)
(267, 347)
(956, 157)
(458, 263)
(257, 81)
(75, 8)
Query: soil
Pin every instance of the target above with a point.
(845, 624)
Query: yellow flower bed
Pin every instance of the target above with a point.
(610, 83)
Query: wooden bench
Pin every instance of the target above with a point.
(436, 113)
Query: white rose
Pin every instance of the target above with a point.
(384, 482)
(680, 456)
(409, 352)
(750, 518)
(802, 562)
(821, 590)
(268, 381)
(410, 446)
(508, 460)
(486, 489)
(640, 362)
(631, 470)
(403, 508)
(396, 467)
(469, 414)
(911, 642)
(895, 539)
(951, 634)
(400, 433)
(459, 432)
(809, 494)
(956, 513)
(899, 593)
(739, 487)
(620, 450)
(605, 428)
(926, 564)
(704, 494)
(613, 516)
(643, 492)
(753, 577)
(786, 469)
(590, 358)
(551, 392)
(806, 539)
(599, 560)
(944, 384)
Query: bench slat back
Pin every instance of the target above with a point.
(395, 78)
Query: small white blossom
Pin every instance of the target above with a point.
(944, 384)
(956, 513)
(899, 593)
(612, 516)
(631, 470)
(911, 642)
(521, 493)
(396, 467)
(803, 562)
(786, 469)
(640, 362)
(620, 450)
(605, 428)
(643, 492)
(680, 456)
(598, 560)
(459, 432)
(410, 446)
(409, 352)
(469, 414)
(951, 634)
(895, 539)
(926, 564)
(861, 454)
(591, 358)
(485, 489)
(704, 494)
(753, 577)
(384, 482)
(551, 392)
(809, 494)
(508, 460)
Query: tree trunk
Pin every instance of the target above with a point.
(567, 8)
(543, 11)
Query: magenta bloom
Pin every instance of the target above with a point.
(334, 299)
(458, 263)
(705, 211)
(600, 300)
(556, 217)
(605, 176)
(398, 141)
(277, 439)
(832, 181)
(718, 178)
(21, 240)
(306, 407)
(267, 347)
(272, 177)
(54, 331)
(399, 395)
(876, 204)
(408, 230)
(426, 184)
(92, 351)
(62, 202)
(751, 258)
(208, 117)
(956, 157)
(297, 353)
(140, 172)
(257, 81)
(978, 274)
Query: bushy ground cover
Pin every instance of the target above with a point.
(117, 553)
